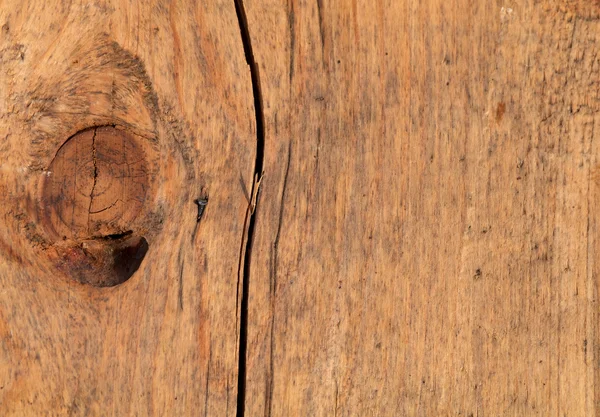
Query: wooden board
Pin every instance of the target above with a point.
(426, 234)
(424, 240)
(173, 76)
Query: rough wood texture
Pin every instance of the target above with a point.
(426, 239)
(424, 242)
(174, 76)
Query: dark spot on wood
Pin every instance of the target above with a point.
(201, 203)
(101, 262)
(500, 110)
(128, 256)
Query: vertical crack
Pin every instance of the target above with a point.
(95, 176)
(258, 169)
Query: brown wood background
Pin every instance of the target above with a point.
(164, 343)
(424, 242)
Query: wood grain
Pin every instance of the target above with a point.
(173, 76)
(96, 184)
(423, 243)
(426, 232)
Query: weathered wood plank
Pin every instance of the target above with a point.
(426, 232)
(173, 75)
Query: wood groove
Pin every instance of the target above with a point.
(244, 268)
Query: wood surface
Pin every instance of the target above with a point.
(427, 232)
(422, 243)
(172, 75)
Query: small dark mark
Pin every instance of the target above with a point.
(321, 28)
(291, 20)
(244, 190)
(500, 110)
(477, 273)
(320, 98)
(117, 236)
(201, 203)
(127, 256)
(180, 294)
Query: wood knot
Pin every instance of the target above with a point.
(94, 189)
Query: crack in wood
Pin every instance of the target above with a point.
(250, 218)
(207, 380)
(114, 203)
(94, 161)
(180, 291)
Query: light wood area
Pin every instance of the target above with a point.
(174, 76)
(424, 240)
(427, 232)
